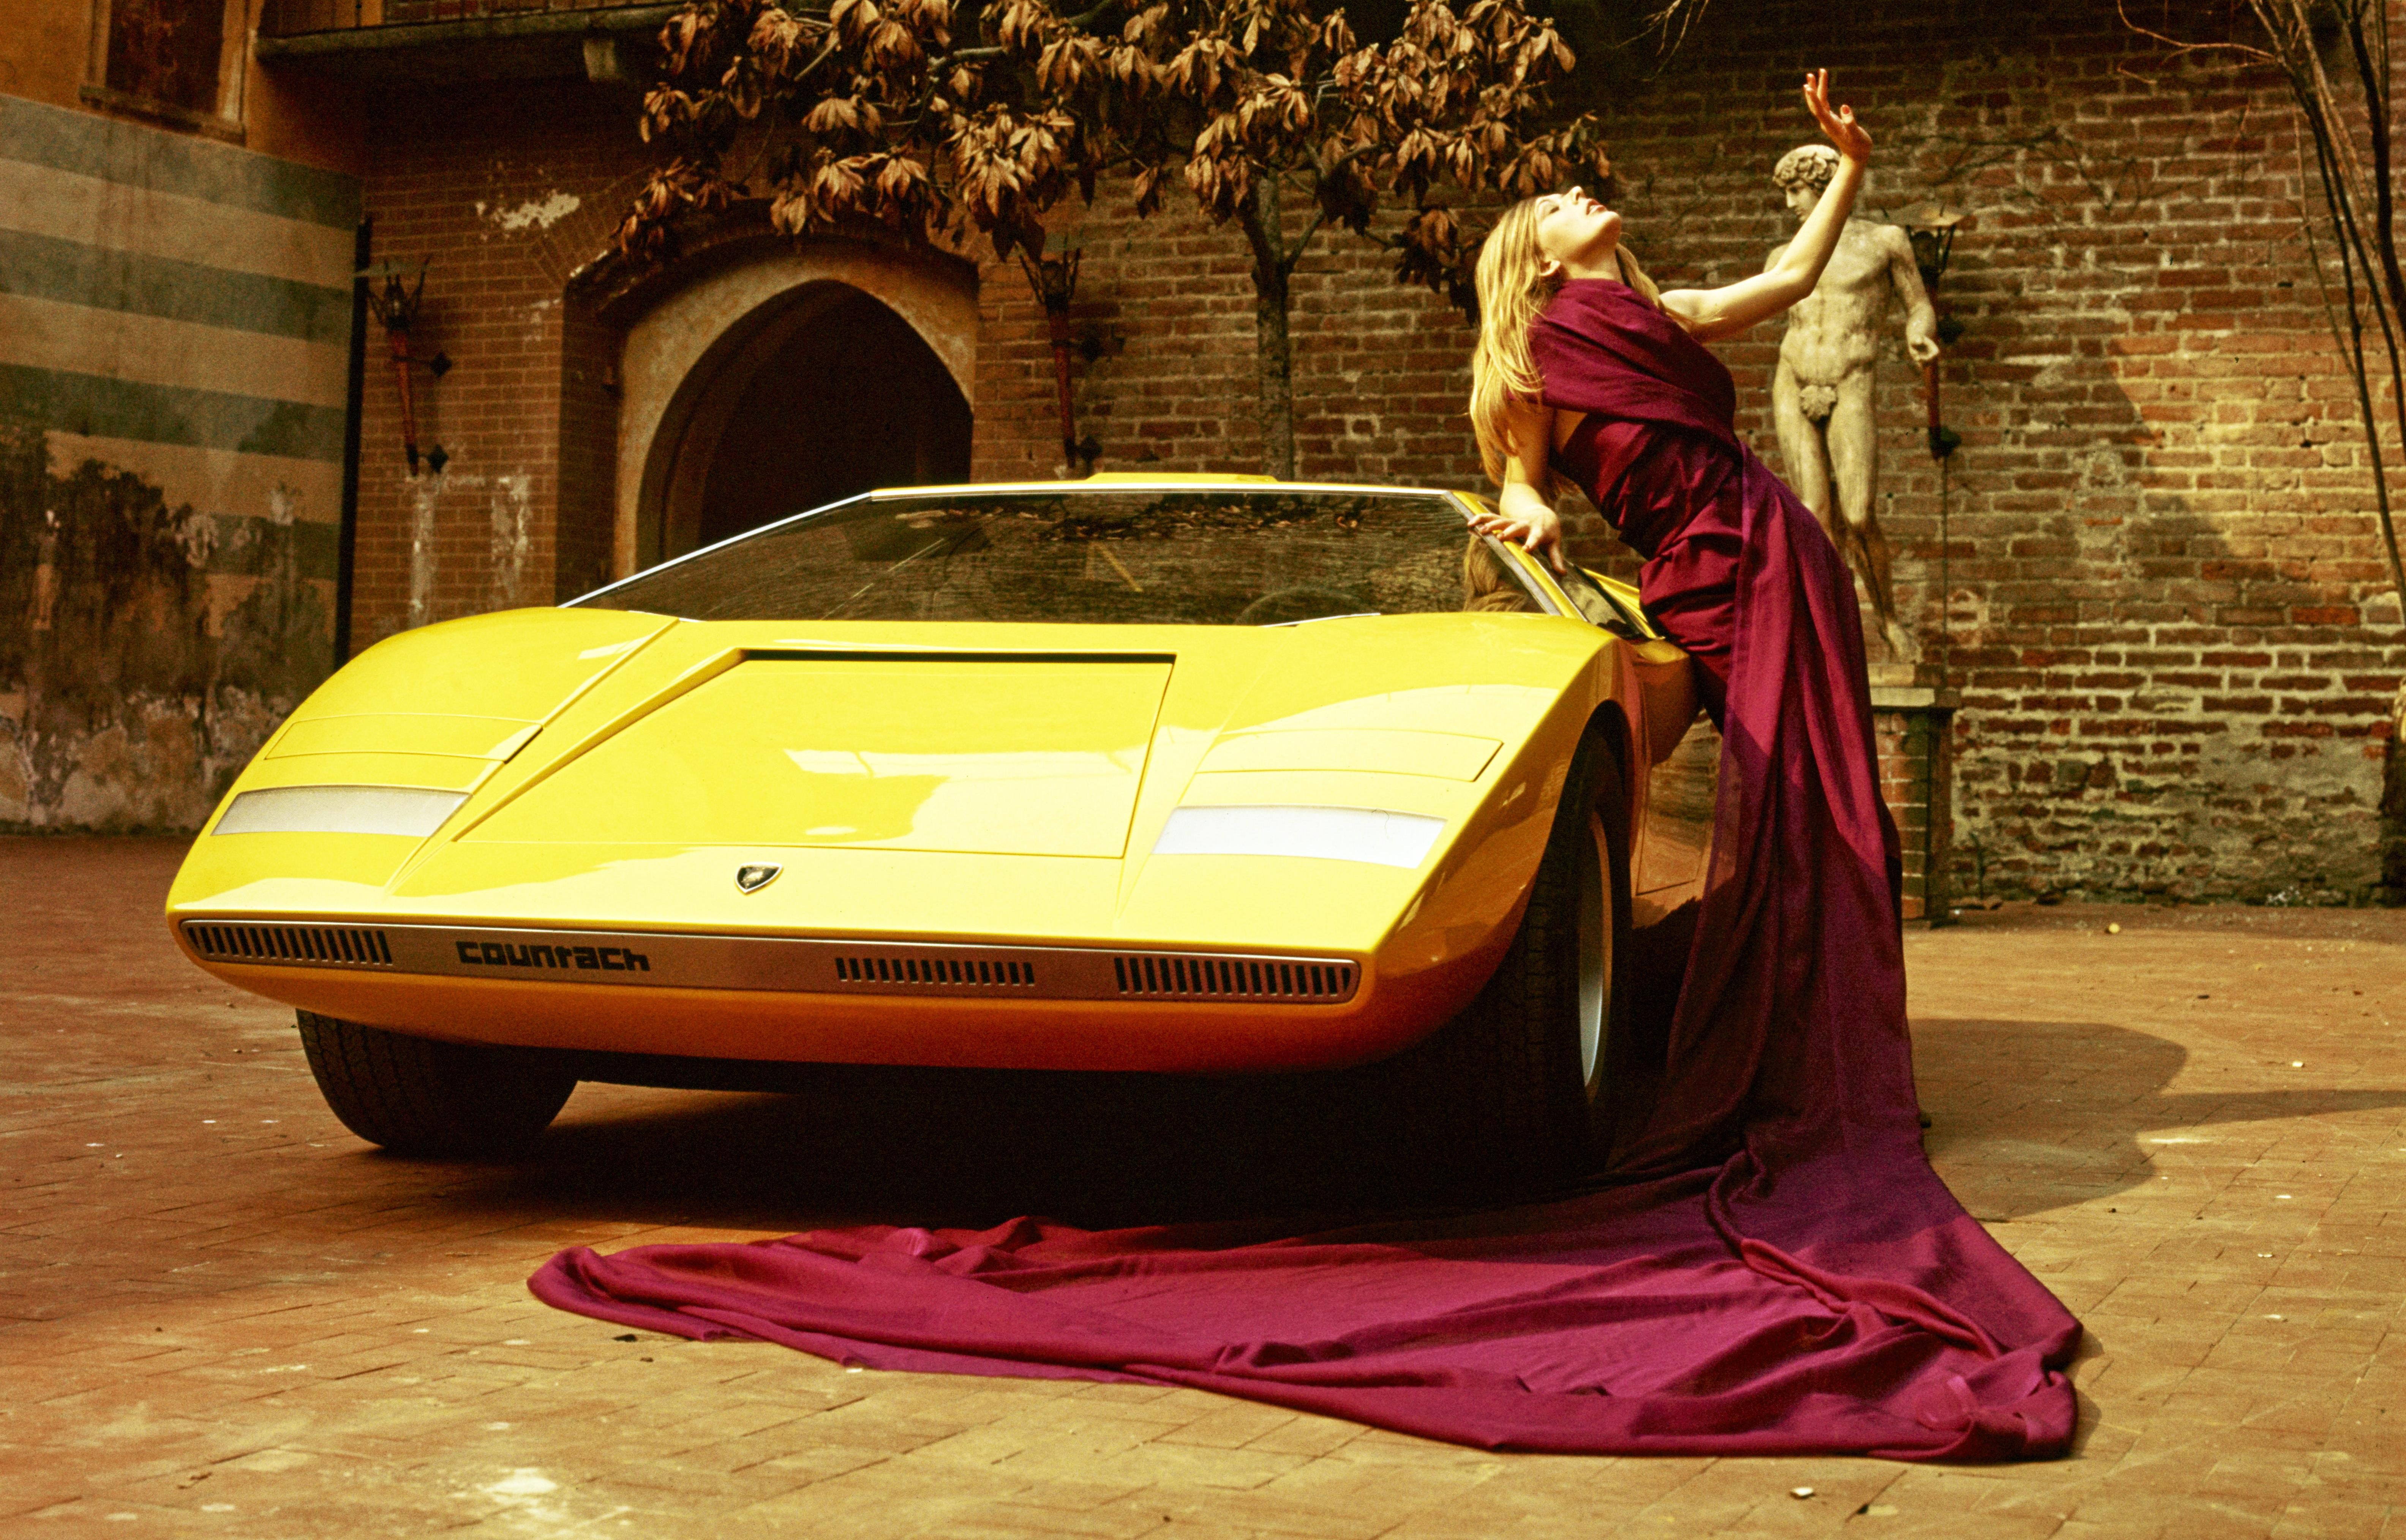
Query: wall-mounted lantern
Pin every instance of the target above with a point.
(1932, 229)
(396, 307)
(1053, 278)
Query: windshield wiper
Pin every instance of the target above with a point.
(1356, 615)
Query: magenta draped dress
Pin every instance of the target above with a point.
(1776, 1269)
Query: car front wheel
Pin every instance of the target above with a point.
(418, 1096)
(1515, 1089)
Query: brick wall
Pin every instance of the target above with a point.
(2165, 614)
(1380, 372)
(504, 197)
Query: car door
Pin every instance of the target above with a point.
(1674, 841)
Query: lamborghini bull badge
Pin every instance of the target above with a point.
(754, 878)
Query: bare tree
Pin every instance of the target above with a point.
(1274, 116)
(2334, 56)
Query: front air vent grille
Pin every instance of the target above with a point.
(1174, 977)
(936, 970)
(802, 965)
(329, 946)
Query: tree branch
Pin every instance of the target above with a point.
(2373, 75)
(1302, 242)
(2352, 347)
(2178, 47)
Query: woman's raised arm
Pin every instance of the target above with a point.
(1711, 312)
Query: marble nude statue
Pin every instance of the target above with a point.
(1821, 392)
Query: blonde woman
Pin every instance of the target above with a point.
(1785, 1084)
(1585, 372)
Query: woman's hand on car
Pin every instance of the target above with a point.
(1526, 518)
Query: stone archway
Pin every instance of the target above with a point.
(787, 381)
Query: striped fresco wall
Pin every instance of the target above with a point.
(175, 320)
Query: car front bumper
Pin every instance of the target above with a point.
(820, 999)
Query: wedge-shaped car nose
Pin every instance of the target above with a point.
(979, 755)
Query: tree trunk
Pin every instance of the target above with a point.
(2391, 890)
(1276, 380)
(1274, 355)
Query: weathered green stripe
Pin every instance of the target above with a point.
(45, 268)
(98, 406)
(113, 150)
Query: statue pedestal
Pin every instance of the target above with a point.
(1912, 721)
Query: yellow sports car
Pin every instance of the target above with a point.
(1190, 774)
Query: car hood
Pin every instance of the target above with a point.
(1003, 781)
(982, 754)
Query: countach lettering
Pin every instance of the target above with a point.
(615, 959)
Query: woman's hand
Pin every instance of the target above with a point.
(1712, 314)
(1527, 518)
(1838, 122)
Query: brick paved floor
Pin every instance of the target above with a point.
(219, 1314)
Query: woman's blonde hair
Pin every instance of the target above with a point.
(1485, 589)
(1513, 287)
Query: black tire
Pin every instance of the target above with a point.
(1515, 1092)
(418, 1096)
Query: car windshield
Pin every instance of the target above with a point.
(1128, 556)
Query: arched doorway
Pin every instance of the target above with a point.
(831, 371)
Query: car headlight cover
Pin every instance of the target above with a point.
(415, 811)
(1328, 834)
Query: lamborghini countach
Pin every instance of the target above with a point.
(1198, 775)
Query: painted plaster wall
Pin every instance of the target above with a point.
(47, 55)
(175, 318)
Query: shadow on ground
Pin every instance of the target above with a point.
(2033, 1115)
(970, 1147)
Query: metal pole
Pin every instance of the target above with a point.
(1058, 321)
(354, 398)
(1946, 583)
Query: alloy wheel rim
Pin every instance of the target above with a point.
(1594, 942)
